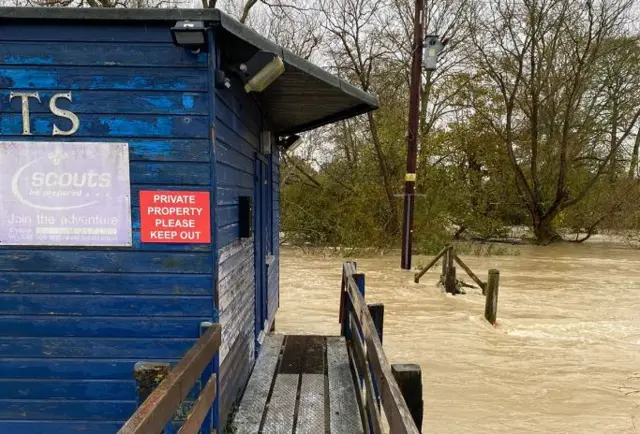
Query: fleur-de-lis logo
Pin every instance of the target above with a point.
(57, 156)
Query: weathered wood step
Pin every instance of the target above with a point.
(300, 385)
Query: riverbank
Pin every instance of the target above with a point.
(502, 246)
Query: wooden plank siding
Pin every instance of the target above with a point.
(238, 129)
(274, 268)
(73, 322)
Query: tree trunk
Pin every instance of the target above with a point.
(544, 232)
(386, 177)
(633, 168)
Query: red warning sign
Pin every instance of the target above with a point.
(175, 217)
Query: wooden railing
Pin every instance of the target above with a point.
(379, 387)
(158, 409)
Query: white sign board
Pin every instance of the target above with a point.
(65, 194)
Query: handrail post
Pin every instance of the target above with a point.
(211, 421)
(148, 376)
(155, 413)
(345, 329)
(377, 314)
(409, 379)
(359, 279)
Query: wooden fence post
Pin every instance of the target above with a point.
(346, 329)
(409, 378)
(212, 419)
(148, 376)
(377, 313)
(445, 264)
(491, 302)
(342, 314)
(450, 281)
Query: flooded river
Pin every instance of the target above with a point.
(564, 357)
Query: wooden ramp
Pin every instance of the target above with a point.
(300, 385)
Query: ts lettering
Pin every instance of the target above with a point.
(56, 131)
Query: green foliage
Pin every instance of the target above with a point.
(544, 134)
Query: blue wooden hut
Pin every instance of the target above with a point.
(139, 180)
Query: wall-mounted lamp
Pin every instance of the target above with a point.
(289, 143)
(433, 46)
(221, 80)
(189, 34)
(260, 71)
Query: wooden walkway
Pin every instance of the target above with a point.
(300, 385)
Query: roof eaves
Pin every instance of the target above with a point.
(339, 116)
(108, 14)
(250, 36)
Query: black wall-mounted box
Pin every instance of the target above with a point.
(245, 219)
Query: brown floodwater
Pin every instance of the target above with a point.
(564, 357)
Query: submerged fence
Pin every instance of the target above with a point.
(450, 282)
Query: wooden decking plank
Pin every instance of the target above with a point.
(282, 405)
(344, 416)
(293, 355)
(311, 406)
(314, 362)
(247, 419)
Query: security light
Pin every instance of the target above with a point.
(290, 143)
(189, 34)
(221, 80)
(432, 48)
(262, 69)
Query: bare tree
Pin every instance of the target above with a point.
(557, 106)
(355, 47)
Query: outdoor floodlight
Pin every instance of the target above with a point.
(189, 34)
(221, 80)
(262, 69)
(290, 143)
(432, 48)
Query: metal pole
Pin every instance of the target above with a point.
(412, 136)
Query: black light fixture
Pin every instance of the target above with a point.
(221, 80)
(189, 34)
(290, 142)
(262, 69)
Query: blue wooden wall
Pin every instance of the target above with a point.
(238, 128)
(274, 268)
(74, 321)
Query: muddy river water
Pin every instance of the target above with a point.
(564, 357)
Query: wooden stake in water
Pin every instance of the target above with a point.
(491, 303)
